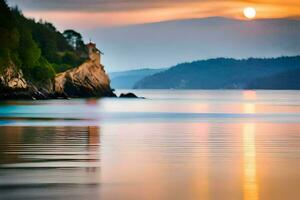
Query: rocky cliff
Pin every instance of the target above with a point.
(12, 82)
(13, 85)
(87, 80)
(12, 79)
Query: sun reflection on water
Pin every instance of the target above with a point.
(250, 185)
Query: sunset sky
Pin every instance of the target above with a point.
(107, 13)
(198, 27)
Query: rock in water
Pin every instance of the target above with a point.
(128, 95)
(87, 80)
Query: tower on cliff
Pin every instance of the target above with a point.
(94, 53)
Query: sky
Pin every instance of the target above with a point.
(108, 22)
(107, 13)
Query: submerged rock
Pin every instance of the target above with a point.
(128, 95)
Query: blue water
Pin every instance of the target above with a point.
(159, 105)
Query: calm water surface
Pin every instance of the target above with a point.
(172, 145)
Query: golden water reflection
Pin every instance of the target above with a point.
(250, 185)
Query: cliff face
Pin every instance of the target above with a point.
(13, 85)
(87, 80)
(12, 79)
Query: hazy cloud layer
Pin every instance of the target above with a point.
(87, 14)
(96, 5)
(125, 5)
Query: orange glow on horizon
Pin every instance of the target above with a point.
(249, 95)
(233, 9)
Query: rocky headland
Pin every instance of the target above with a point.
(37, 61)
(87, 80)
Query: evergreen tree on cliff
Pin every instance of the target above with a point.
(36, 47)
(9, 36)
(18, 46)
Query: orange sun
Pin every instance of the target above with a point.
(249, 12)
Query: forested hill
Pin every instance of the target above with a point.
(37, 48)
(223, 73)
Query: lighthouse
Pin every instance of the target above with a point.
(94, 53)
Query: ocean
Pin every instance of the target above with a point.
(173, 144)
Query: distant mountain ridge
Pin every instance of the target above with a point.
(227, 73)
(127, 79)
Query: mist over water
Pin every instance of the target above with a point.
(172, 145)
